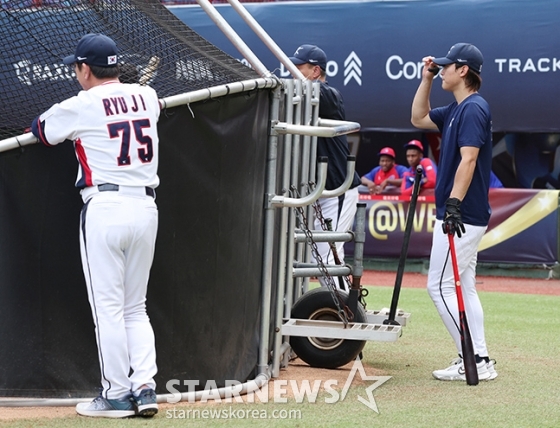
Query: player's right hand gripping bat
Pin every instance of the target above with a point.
(469, 360)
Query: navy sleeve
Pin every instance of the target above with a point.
(38, 129)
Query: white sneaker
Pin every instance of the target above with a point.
(492, 370)
(456, 371)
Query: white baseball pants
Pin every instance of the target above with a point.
(117, 241)
(441, 284)
(342, 211)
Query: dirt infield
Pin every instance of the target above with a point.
(300, 370)
(505, 284)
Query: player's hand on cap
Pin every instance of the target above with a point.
(430, 68)
(452, 222)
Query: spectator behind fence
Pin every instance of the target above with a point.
(387, 173)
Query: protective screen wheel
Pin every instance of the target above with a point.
(318, 304)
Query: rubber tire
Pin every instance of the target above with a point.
(317, 304)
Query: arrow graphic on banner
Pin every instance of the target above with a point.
(353, 69)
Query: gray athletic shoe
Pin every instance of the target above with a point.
(107, 408)
(146, 403)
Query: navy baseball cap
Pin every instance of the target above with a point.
(310, 54)
(94, 49)
(462, 53)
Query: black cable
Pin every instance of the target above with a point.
(441, 292)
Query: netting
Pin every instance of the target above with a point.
(156, 47)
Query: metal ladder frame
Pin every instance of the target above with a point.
(298, 101)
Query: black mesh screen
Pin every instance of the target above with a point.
(36, 35)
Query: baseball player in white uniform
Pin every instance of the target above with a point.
(114, 130)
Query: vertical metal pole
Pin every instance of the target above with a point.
(284, 272)
(313, 99)
(306, 146)
(294, 179)
(359, 240)
(307, 158)
(358, 266)
(268, 240)
(314, 120)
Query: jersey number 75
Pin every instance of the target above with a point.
(122, 130)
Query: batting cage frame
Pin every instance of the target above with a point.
(260, 133)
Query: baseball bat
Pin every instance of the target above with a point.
(404, 250)
(469, 360)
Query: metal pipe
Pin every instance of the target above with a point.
(283, 218)
(224, 392)
(307, 115)
(313, 102)
(168, 102)
(266, 39)
(350, 168)
(335, 270)
(268, 239)
(285, 351)
(219, 91)
(319, 131)
(324, 236)
(305, 200)
(341, 126)
(19, 141)
(297, 251)
(359, 240)
(234, 38)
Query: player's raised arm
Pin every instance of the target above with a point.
(420, 117)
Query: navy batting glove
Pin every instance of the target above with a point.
(452, 222)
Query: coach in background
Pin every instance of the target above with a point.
(114, 130)
(387, 173)
(414, 157)
(461, 193)
(312, 62)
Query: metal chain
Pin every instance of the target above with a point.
(343, 310)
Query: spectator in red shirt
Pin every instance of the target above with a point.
(387, 173)
(415, 156)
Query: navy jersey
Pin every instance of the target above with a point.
(331, 106)
(465, 124)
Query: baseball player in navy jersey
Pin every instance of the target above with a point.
(415, 156)
(387, 173)
(114, 130)
(312, 62)
(461, 192)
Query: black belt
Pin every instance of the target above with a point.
(115, 188)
